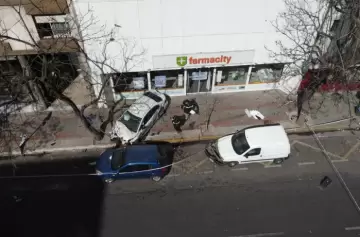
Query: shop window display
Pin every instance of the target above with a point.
(199, 80)
(173, 79)
(130, 82)
(231, 76)
(266, 74)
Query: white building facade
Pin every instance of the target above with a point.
(186, 46)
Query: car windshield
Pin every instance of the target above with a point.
(117, 159)
(239, 143)
(130, 121)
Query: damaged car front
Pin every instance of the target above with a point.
(126, 128)
(212, 152)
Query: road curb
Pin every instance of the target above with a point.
(290, 131)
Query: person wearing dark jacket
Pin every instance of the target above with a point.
(189, 107)
(178, 121)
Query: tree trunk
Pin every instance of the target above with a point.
(98, 135)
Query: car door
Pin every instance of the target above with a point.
(126, 172)
(253, 155)
(135, 171)
(149, 119)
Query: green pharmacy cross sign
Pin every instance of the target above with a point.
(181, 61)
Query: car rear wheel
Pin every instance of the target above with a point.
(162, 112)
(278, 161)
(109, 180)
(232, 164)
(156, 178)
(166, 106)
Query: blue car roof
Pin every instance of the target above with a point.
(142, 154)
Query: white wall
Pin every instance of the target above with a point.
(12, 25)
(165, 27)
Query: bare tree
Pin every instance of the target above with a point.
(45, 75)
(322, 44)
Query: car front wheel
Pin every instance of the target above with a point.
(109, 180)
(156, 178)
(232, 164)
(278, 161)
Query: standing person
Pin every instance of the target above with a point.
(178, 121)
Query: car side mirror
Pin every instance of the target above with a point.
(246, 155)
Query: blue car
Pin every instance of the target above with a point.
(136, 161)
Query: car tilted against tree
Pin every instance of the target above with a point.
(136, 122)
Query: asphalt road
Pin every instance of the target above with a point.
(288, 208)
(196, 199)
(199, 198)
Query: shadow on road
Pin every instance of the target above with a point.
(51, 199)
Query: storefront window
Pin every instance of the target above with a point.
(173, 79)
(231, 76)
(199, 80)
(266, 74)
(130, 81)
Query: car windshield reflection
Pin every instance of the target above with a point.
(240, 143)
(131, 121)
(117, 159)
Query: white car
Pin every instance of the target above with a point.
(253, 144)
(136, 122)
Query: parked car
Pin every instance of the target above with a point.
(253, 144)
(136, 161)
(136, 122)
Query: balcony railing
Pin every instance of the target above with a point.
(44, 46)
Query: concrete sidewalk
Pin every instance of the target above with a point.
(219, 115)
(225, 113)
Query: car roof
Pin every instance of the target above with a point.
(142, 154)
(261, 135)
(142, 106)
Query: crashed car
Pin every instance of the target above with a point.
(136, 122)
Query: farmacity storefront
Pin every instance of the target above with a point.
(194, 46)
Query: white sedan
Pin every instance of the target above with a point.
(136, 122)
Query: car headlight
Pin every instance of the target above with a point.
(98, 172)
(216, 148)
(123, 140)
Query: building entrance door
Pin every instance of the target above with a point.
(199, 80)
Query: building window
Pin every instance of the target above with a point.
(266, 74)
(231, 76)
(60, 28)
(170, 79)
(52, 26)
(53, 29)
(335, 25)
(130, 81)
